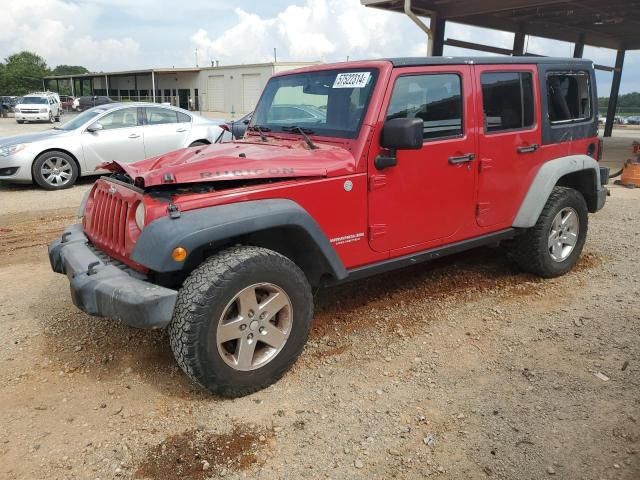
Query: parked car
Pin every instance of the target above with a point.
(67, 102)
(633, 120)
(9, 102)
(54, 159)
(39, 107)
(411, 162)
(83, 103)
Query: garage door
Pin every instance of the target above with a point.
(215, 93)
(251, 90)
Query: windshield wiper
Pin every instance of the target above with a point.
(260, 131)
(303, 132)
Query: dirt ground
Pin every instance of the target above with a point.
(460, 369)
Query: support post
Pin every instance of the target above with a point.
(437, 28)
(106, 85)
(615, 89)
(578, 48)
(135, 86)
(518, 44)
(153, 86)
(73, 86)
(58, 85)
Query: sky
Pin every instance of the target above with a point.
(107, 35)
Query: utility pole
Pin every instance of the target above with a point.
(275, 55)
(196, 53)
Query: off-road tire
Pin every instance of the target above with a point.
(531, 249)
(201, 303)
(39, 178)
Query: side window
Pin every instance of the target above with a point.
(160, 116)
(183, 118)
(436, 99)
(127, 117)
(507, 99)
(569, 97)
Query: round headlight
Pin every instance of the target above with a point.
(140, 214)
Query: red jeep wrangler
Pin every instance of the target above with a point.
(347, 170)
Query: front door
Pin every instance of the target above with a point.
(508, 141)
(428, 196)
(165, 130)
(120, 139)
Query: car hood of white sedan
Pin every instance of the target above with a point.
(31, 137)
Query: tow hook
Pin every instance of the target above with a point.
(174, 211)
(91, 269)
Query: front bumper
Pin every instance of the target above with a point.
(100, 288)
(32, 117)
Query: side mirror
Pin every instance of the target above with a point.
(399, 134)
(402, 134)
(94, 127)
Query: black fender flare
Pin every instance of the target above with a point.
(204, 227)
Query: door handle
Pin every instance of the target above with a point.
(462, 159)
(134, 135)
(180, 130)
(528, 148)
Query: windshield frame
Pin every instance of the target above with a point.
(312, 129)
(41, 100)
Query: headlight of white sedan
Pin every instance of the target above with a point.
(12, 149)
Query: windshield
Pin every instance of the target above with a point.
(35, 101)
(81, 119)
(330, 103)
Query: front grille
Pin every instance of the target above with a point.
(24, 110)
(109, 218)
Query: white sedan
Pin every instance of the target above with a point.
(125, 132)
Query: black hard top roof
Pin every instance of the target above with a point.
(425, 61)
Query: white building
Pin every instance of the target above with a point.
(222, 90)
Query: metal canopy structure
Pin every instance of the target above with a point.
(609, 24)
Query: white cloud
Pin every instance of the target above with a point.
(310, 30)
(61, 32)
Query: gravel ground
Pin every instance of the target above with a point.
(460, 369)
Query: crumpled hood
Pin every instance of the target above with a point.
(238, 161)
(30, 137)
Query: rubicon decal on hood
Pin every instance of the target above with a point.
(271, 172)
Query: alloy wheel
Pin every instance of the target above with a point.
(254, 326)
(563, 236)
(56, 171)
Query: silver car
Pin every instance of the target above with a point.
(54, 159)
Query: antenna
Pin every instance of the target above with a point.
(196, 53)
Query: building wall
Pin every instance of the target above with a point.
(239, 86)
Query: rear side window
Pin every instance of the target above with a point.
(507, 99)
(436, 99)
(160, 116)
(569, 97)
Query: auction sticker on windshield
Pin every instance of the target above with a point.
(352, 80)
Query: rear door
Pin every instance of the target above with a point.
(509, 140)
(120, 139)
(428, 196)
(165, 130)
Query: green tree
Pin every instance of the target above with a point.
(23, 72)
(69, 70)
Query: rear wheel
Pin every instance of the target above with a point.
(55, 171)
(552, 247)
(241, 320)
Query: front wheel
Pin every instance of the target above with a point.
(552, 247)
(51, 118)
(241, 320)
(55, 171)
